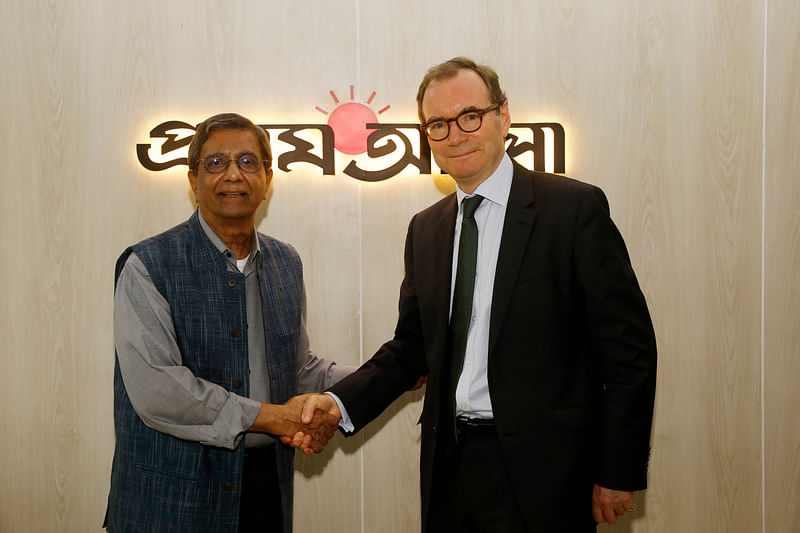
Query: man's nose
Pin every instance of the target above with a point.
(233, 172)
(455, 135)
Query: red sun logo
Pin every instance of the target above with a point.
(349, 123)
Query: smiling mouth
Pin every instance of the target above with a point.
(233, 194)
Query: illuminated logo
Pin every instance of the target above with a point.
(353, 129)
(350, 123)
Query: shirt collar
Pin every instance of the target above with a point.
(496, 187)
(255, 248)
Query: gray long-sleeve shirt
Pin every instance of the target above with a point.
(150, 360)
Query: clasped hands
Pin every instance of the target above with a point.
(310, 420)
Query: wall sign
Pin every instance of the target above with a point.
(352, 129)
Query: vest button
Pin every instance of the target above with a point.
(235, 332)
(228, 487)
(237, 384)
(232, 282)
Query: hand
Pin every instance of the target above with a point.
(608, 504)
(285, 422)
(319, 422)
(320, 414)
(321, 402)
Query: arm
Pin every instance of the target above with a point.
(397, 365)
(166, 395)
(622, 343)
(285, 420)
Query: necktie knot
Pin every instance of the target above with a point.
(469, 205)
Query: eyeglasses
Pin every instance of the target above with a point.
(468, 121)
(248, 163)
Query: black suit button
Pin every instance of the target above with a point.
(228, 487)
(237, 384)
(235, 332)
(232, 282)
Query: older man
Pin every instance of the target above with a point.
(520, 304)
(210, 341)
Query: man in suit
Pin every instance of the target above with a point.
(209, 330)
(544, 425)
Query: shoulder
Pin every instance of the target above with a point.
(275, 246)
(548, 189)
(166, 240)
(446, 208)
(558, 183)
(280, 252)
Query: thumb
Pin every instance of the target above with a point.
(308, 410)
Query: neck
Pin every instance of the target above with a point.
(237, 235)
(470, 184)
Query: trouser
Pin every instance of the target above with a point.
(471, 489)
(260, 504)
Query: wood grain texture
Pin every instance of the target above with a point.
(662, 106)
(391, 453)
(782, 269)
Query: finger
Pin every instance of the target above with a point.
(609, 514)
(308, 444)
(628, 504)
(297, 440)
(308, 410)
(319, 443)
(318, 446)
(598, 514)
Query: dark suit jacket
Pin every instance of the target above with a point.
(572, 354)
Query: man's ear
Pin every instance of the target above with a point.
(269, 181)
(505, 114)
(193, 182)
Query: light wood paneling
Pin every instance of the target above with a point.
(662, 106)
(782, 269)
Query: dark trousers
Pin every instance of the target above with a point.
(471, 491)
(260, 503)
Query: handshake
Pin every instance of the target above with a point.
(306, 421)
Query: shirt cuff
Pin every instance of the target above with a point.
(345, 423)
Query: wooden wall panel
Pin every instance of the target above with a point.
(662, 106)
(782, 269)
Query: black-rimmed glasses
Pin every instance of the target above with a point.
(248, 163)
(468, 121)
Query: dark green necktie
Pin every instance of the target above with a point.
(461, 315)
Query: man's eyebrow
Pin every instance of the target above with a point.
(235, 156)
(464, 110)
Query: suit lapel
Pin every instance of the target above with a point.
(435, 257)
(517, 227)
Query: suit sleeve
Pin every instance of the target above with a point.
(397, 365)
(623, 347)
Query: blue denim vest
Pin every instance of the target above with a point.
(160, 483)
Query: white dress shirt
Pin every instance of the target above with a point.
(472, 393)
